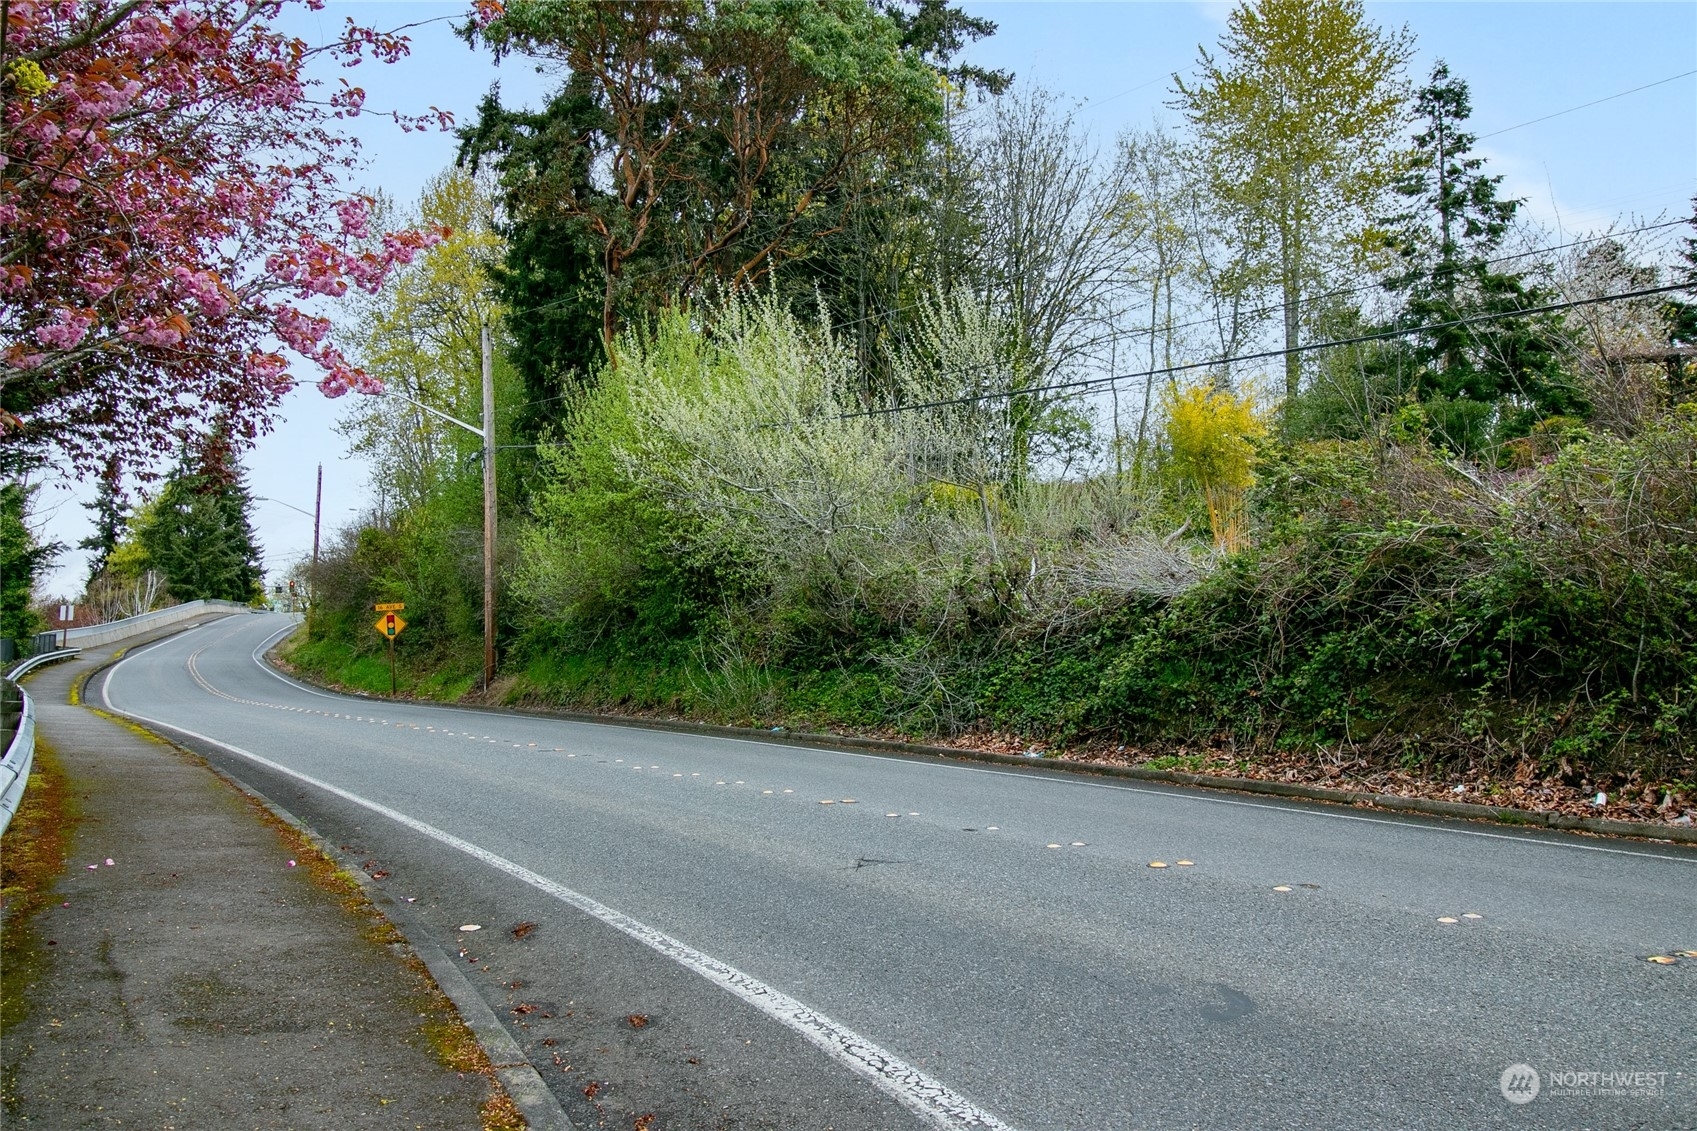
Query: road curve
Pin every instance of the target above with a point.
(732, 934)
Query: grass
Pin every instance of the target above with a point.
(421, 675)
(1191, 763)
(32, 857)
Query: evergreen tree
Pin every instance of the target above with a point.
(198, 533)
(22, 560)
(692, 149)
(1489, 380)
(550, 276)
(110, 514)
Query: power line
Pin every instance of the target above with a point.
(1261, 310)
(1340, 293)
(1263, 355)
(1585, 105)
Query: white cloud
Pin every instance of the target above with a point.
(1214, 11)
(1545, 204)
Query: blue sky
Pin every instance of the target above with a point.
(1578, 171)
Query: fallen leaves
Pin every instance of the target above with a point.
(637, 1020)
(523, 930)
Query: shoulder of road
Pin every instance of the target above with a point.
(1294, 791)
(201, 963)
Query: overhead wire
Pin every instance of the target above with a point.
(1084, 384)
(1586, 105)
(1261, 355)
(1357, 288)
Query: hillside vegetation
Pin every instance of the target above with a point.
(1281, 442)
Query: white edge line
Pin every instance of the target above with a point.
(923, 1094)
(1415, 822)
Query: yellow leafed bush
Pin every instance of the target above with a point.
(1211, 438)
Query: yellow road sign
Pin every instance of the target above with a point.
(391, 607)
(390, 625)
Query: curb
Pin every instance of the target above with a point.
(1466, 810)
(1390, 802)
(523, 1083)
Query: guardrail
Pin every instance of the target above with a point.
(19, 757)
(91, 635)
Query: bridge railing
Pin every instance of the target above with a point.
(95, 634)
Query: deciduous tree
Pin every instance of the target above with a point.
(1297, 125)
(170, 188)
(421, 336)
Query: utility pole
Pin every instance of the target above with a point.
(312, 582)
(488, 511)
(487, 433)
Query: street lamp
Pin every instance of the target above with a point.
(281, 503)
(487, 433)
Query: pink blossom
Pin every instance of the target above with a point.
(355, 215)
(67, 329)
(181, 176)
(144, 36)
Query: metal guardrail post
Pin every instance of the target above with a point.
(17, 763)
(19, 756)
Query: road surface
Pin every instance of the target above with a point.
(724, 933)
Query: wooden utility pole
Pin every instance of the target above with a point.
(488, 512)
(487, 432)
(312, 581)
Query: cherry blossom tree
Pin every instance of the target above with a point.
(173, 202)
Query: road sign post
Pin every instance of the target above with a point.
(390, 624)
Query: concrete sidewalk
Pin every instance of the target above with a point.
(190, 977)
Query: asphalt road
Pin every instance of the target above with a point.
(681, 926)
